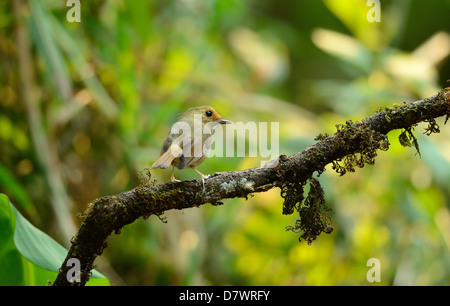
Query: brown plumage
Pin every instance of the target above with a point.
(190, 139)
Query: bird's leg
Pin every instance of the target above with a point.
(172, 178)
(202, 175)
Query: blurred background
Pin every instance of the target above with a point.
(84, 107)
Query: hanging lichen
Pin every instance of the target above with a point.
(313, 213)
(407, 139)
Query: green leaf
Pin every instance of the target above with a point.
(9, 257)
(36, 246)
(28, 256)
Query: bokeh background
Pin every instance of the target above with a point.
(84, 107)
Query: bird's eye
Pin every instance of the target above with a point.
(208, 113)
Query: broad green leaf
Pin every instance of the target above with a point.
(10, 259)
(37, 246)
(28, 256)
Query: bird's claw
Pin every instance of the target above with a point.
(204, 177)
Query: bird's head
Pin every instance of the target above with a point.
(208, 113)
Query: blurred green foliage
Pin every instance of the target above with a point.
(84, 107)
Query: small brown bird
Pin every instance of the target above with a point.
(190, 140)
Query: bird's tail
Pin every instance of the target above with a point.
(167, 157)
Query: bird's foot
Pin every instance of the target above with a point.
(174, 180)
(204, 177)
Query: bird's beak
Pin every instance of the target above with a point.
(223, 121)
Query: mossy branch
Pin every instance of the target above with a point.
(353, 145)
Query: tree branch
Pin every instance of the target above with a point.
(352, 145)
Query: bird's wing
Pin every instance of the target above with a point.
(192, 151)
(170, 150)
